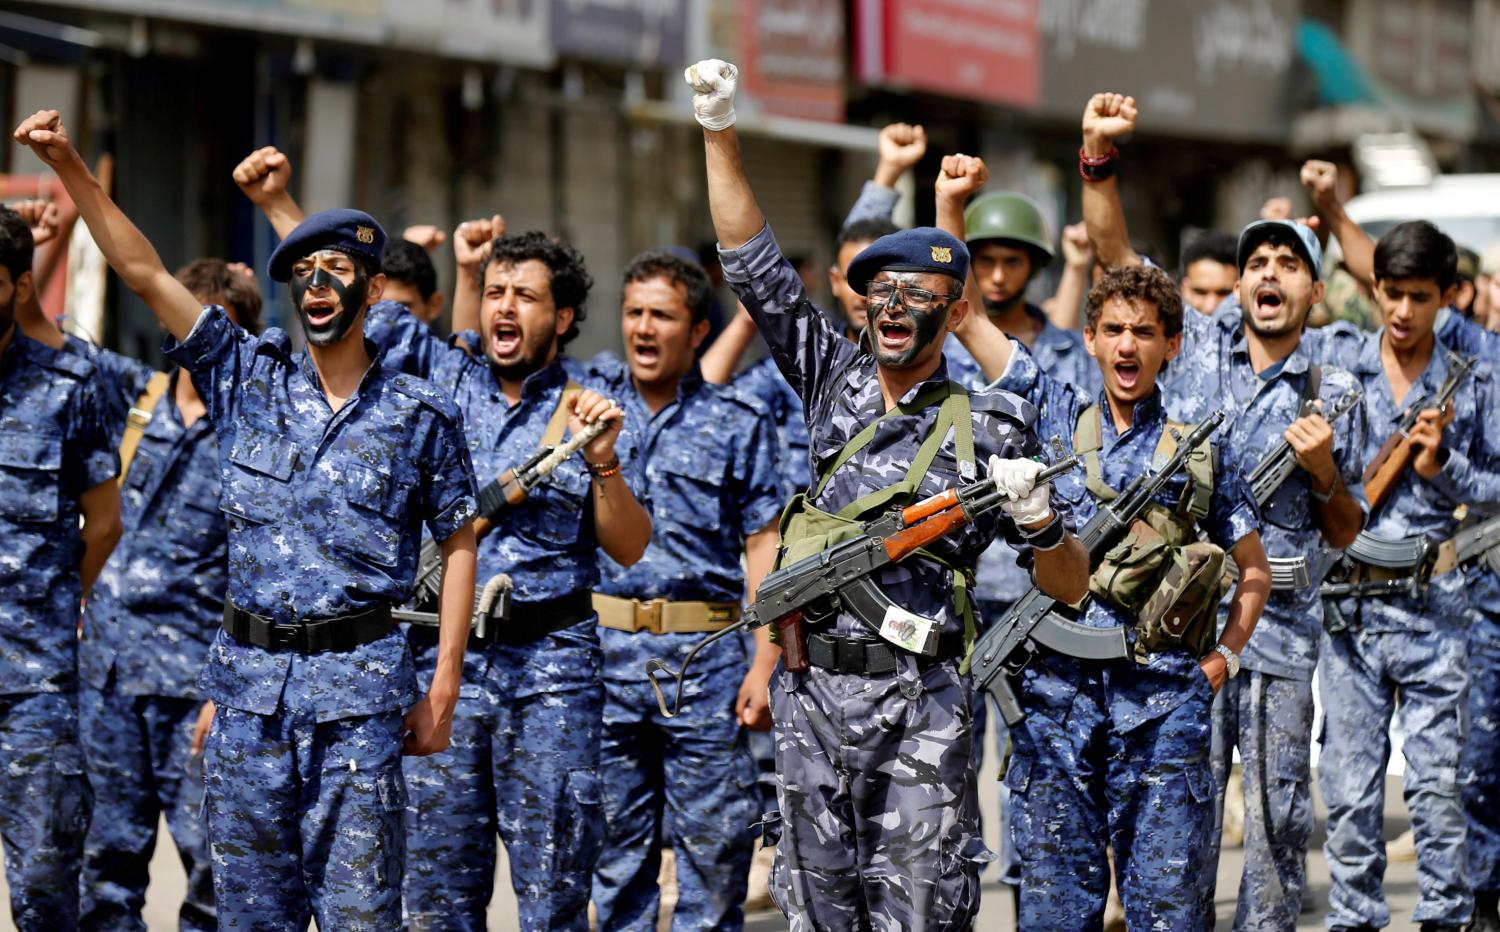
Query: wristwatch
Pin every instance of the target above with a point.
(1231, 660)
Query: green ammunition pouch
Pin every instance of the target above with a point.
(807, 530)
(1160, 573)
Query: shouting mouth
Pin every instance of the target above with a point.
(320, 311)
(894, 335)
(505, 338)
(1127, 374)
(1268, 301)
(647, 354)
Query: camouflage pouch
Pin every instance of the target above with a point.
(1182, 612)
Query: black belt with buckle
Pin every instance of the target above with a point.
(532, 621)
(873, 657)
(311, 635)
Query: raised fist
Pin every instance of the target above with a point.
(961, 176)
(41, 216)
(263, 175)
(1106, 118)
(43, 133)
(425, 235)
(1321, 181)
(1276, 208)
(902, 145)
(713, 82)
(472, 239)
(1076, 248)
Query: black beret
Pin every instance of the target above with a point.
(349, 231)
(920, 249)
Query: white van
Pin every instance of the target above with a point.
(1466, 207)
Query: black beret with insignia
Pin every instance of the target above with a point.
(353, 232)
(920, 249)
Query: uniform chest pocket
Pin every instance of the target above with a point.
(557, 515)
(198, 526)
(372, 527)
(257, 486)
(30, 475)
(691, 487)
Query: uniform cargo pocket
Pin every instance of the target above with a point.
(257, 485)
(30, 480)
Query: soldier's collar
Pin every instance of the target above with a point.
(1294, 363)
(545, 378)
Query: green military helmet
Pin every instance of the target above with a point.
(1007, 215)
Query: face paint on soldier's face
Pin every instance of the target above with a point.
(329, 290)
(901, 337)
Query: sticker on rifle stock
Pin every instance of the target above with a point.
(909, 630)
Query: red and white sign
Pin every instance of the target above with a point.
(792, 57)
(974, 49)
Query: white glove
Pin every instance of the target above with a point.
(1029, 503)
(713, 83)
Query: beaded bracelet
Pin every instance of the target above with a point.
(610, 467)
(1098, 167)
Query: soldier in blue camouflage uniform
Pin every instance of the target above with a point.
(525, 756)
(151, 619)
(329, 465)
(1256, 369)
(1115, 752)
(879, 822)
(1391, 643)
(706, 460)
(57, 463)
(1481, 790)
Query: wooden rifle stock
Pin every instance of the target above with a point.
(793, 647)
(1385, 469)
(909, 540)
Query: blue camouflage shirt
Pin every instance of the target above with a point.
(324, 510)
(1416, 506)
(1231, 515)
(159, 600)
(837, 381)
(1213, 372)
(121, 381)
(764, 382)
(706, 464)
(54, 446)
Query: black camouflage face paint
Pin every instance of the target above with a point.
(926, 327)
(350, 301)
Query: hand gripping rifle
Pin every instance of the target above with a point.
(1288, 573)
(1397, 453)
(500, 495)
(1038, 620)
(842, 577)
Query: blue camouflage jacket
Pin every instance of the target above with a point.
(764, 382)
(837, 381)
(1213, 372)
(1416, 506)
(325, 510)
(54, 446)
(707, 465)
(1232, 513)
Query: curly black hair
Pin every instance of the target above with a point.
(569, 277)
(1138, 283)
(16, 245)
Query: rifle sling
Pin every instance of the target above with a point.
(492, 499)
(139, 416)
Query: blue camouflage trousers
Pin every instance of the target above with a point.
(1082, 778)
(137, 752)
(305, 820)
(1361, 675)
(879, 820)
(686, 782)
(522, 766)
(44, 808)
(1269, 719)
(1482, 753)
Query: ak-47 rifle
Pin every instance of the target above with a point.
(1480, 542)
(1288, 573)
(1038, 620)
(842, 577)
(1397, 453)
(501, 494)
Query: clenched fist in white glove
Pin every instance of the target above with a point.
(713, 83)
(1029, 504)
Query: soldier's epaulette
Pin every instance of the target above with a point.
(1003, 403)
(273, 341)
(75, 364)
(424, 391)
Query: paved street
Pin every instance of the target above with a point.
(1400, 885)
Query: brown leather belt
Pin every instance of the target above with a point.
(659, 616)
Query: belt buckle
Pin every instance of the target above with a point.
(289, 636)
(721, 614)
(648, 615)
(849, 655)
